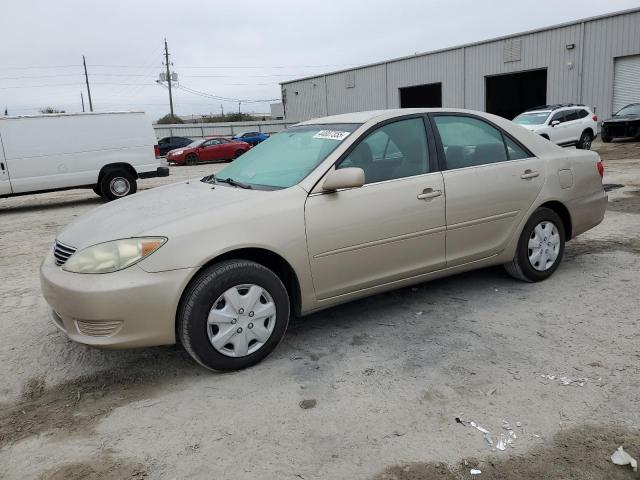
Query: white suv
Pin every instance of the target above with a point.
(565, 125)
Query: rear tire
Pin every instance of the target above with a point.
(191, 160)
(585, 141)
(525, 265)
(204, 303)
(98, 191)
(117, 184)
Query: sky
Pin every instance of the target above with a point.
(229, 49)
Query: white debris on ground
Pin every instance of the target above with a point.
(620, 457)
(500, 441)
(567, 381)
(475, 471)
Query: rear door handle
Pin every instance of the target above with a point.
(428, 193)
(529, 174)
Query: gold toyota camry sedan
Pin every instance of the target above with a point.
(325, 212)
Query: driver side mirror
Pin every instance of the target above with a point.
(351, 177)
(555, 122)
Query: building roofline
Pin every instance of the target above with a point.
(472, 44)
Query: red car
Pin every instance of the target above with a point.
(207, 150)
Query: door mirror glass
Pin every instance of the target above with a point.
(351, 177)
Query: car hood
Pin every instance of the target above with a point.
(626, 118)
(144, 212)
(531, 128)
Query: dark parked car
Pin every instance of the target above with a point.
(252, 138)
(167, 144)
(624, 124)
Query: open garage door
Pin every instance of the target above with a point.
(626, 81)
(511, 94)
(421, 96)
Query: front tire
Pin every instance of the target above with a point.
(540, 247)
(585, 141)
(232, 315)
(605, 138)
(98, 191)
(117, 184)
(238, 153)
(191, 160)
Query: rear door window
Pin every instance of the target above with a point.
(469, 141)
(582, 113)
(571, 115)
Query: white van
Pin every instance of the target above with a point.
(107, 152)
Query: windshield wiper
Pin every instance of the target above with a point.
(233, 182)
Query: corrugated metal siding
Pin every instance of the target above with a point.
(306, 99)
(583, 74)
(605, 40)
(367, 93)
(540, 50)
(626, 81)
(446, 68)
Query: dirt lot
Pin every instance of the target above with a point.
(384, 378)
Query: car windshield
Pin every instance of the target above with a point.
(196, 143)
(284, 159)
(629, 110)
(532, 118)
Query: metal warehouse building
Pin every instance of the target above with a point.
(594, 61)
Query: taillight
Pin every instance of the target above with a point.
(600, 168)
(156, 150)
(594, 118)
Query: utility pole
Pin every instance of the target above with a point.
(86, 78)
(222, 110)
(239, 103)
(166, 62)
(82, 100)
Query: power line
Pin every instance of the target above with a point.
(218, 97)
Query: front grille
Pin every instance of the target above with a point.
(62, 253)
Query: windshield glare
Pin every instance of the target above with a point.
(285, 158)
(629, 110)
(537, 118)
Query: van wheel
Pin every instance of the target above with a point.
(97, 191)
(540, 247)
(233, 315)
(191, 159)
(117, 184)
(585, 141)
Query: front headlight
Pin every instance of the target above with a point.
(177, 152)
(112, 256)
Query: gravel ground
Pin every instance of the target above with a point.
(381, 380)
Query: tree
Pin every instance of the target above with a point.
(51, 110)
(169, 119)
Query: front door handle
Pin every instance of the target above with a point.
(529, 174)
(428, 193)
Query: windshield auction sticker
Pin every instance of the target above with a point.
(332, 135)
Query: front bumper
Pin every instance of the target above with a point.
(621, 129)
(125, 309)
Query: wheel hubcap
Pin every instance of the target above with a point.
(241, 320)
(544, 246)
(119, 186)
